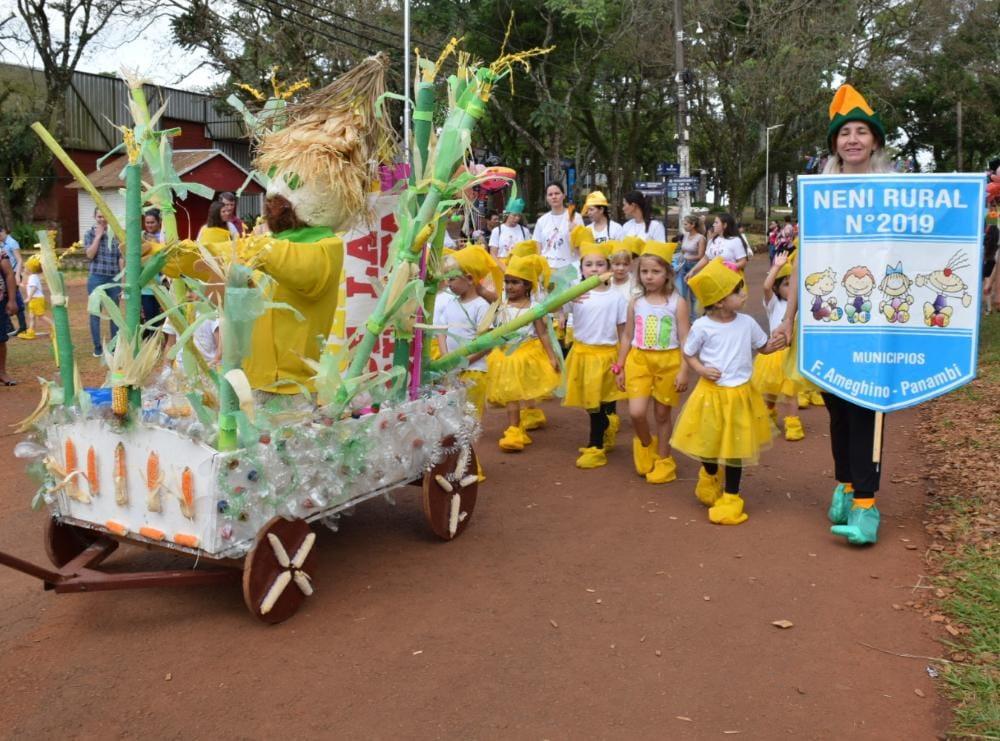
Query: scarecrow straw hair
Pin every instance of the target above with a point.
(337, 136)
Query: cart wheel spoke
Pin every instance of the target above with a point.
(450, 490)
(274, 585)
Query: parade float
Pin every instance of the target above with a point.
(231, 463)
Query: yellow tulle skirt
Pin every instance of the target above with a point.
(723, 424)
(520, 374)
(475, 389)
(653, 373)
(769, 378)
(589, 380)
(37, 305)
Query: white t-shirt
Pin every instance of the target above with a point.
(34, 287)
(507, 313)
(462, 319)
(611, 230)
(449, 242)
(775, 311)
(597, 316)
(655, 324)
(628, 289)
(730, 249)
(654, 232)
(504, 237)
(552, 235)
(203, 338)
(727, 346)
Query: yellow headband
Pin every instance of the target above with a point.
(579, 236)
(592, 248)
(663, 250)
(530, 268)
(527, 247)
(714, 282)
(633, 244)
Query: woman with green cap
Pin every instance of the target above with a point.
(856, 138)
(511, 230)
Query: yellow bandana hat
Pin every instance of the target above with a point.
(714, 282)
(525, 248)
(592, 248)
(612, 247)
(633, 244)
(850, 105)
(477, 262)
(531, 268)
(663, 250)
(579, 236)
(596, 198)
(33, 264)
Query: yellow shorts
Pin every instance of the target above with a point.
(652, 373)
(728, 425)
(475, 388)
(37, 306)
(589, 380)
(520, 374)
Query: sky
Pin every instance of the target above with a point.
(147, 49)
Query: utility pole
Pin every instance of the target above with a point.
(683, 158)
(406, 82)
(767, 173)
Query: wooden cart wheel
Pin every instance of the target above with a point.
(278, 570)
(64, 542)
(450, 492)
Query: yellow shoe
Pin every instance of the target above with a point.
(479, 470)
(28, 334)
(511, 441)
(532, 418)
(793, 429)
(643, 457)
(816, 399)
(611, 434)
(803, 400)
(591, 458)
(728, 510)
(664, 471)
(709, 488)
(524, 436)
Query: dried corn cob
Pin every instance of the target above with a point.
(187, 493)
(93, 482)
(154, 482)
(121, 482)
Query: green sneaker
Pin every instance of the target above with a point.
(840, 505)
(861, 527)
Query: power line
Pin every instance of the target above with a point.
(322, 33)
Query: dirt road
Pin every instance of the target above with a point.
(577, 604)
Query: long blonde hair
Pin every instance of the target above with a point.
(878, 162)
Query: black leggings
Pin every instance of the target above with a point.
(599, 423)
(733, 475)
(852, 438)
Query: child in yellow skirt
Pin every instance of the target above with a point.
(657, 326)
(526, 368)
(465, 313)
(724, 422)
(598, 332)
(34, 295)
(769, 379)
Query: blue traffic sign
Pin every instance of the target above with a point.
(889, 285)
(666, 169)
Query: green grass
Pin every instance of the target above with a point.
(972, 574)
(975, 602)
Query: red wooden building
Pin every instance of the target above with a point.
(209, 167)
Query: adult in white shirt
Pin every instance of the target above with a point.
(601, 226)
(510, 231)
(725, 242)
(552, 229)
(640, 221)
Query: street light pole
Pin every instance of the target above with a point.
(406, 81)
(683, 157)
(767, 172)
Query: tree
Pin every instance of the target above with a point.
(57, 34)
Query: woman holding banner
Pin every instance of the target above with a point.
(856, 138)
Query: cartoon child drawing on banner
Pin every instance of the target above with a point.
(859, 283)
(947, 283)
(820, 285)
(895, 287)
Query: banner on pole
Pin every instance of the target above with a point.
(889, 285)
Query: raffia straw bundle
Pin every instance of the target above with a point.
(326, 158)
